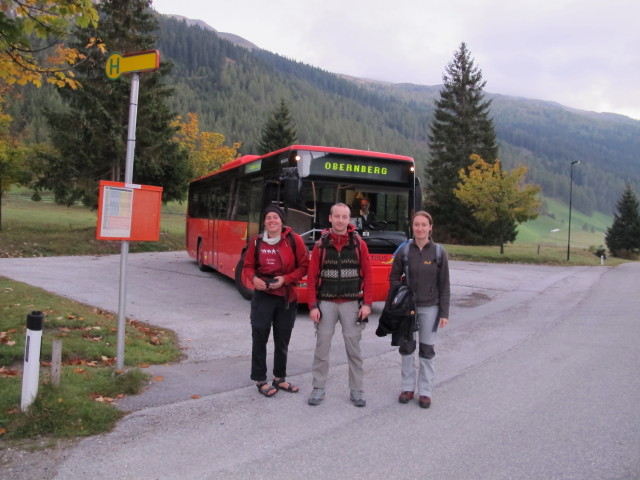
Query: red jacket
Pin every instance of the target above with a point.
(292, 269)
(339, 241)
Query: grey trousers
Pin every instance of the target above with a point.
(426, 317)
(347, 314)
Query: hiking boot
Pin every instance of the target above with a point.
(317, 396)
(424, 401)
(357, 398)
(405, 397)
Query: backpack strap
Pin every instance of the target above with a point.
(438, 254)
(256, 251)
(405, 259)
(292, 242)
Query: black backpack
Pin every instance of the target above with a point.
(399, 309)
(398, 315)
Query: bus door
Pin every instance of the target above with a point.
(241, 222)
(213, 226)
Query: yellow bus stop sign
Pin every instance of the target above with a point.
(132, 62)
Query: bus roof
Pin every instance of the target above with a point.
(344, 151)
(315, 148)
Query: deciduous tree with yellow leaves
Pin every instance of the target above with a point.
(497, 197)
(12, 156)
(207, 151)
(32, 36)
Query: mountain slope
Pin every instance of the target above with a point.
(233, 89)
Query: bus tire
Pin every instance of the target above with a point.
(242, 289)
(200, 258)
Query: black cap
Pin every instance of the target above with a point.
(273, 208)
(35, 320)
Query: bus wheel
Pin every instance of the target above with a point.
(200, 257)
(244, 291)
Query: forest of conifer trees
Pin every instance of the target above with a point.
(233, 90)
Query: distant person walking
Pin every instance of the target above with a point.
(274, 262)
(429, 280)
(339, 288)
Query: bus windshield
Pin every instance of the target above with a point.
(379, 214)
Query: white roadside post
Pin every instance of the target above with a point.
(31, 371)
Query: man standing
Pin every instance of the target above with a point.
(339, 289)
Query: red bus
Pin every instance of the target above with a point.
(224, 207)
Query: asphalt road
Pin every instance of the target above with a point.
(537, 378)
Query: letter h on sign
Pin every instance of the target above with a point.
(114, 65)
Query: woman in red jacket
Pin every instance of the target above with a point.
(272, 266)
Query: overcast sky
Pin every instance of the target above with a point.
(580, 53)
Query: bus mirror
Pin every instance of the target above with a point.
(417, 195)
(290, 189)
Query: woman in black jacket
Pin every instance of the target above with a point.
(429, 280)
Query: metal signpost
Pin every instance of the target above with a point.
(117, 65)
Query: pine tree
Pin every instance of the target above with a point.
(91, 135)
(623, 237)
(461, 127)
(279, 131)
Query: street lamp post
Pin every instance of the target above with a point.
(570, 198)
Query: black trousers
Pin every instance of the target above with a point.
(270, 311)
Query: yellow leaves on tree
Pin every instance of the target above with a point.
(207, 151)
(12, 153)
(493, 193)
(496, 196)
(22, 59)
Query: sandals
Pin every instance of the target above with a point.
(267, 392)
(279, 383)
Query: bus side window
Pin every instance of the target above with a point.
(242, 201)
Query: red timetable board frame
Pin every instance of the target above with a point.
(128, 211)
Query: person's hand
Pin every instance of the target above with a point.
(364, 312)
(443, 322)
(259, 284)
(279, 282)
(314, 313)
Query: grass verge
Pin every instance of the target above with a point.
(533, 253)
(44, 229)
(82, 404)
